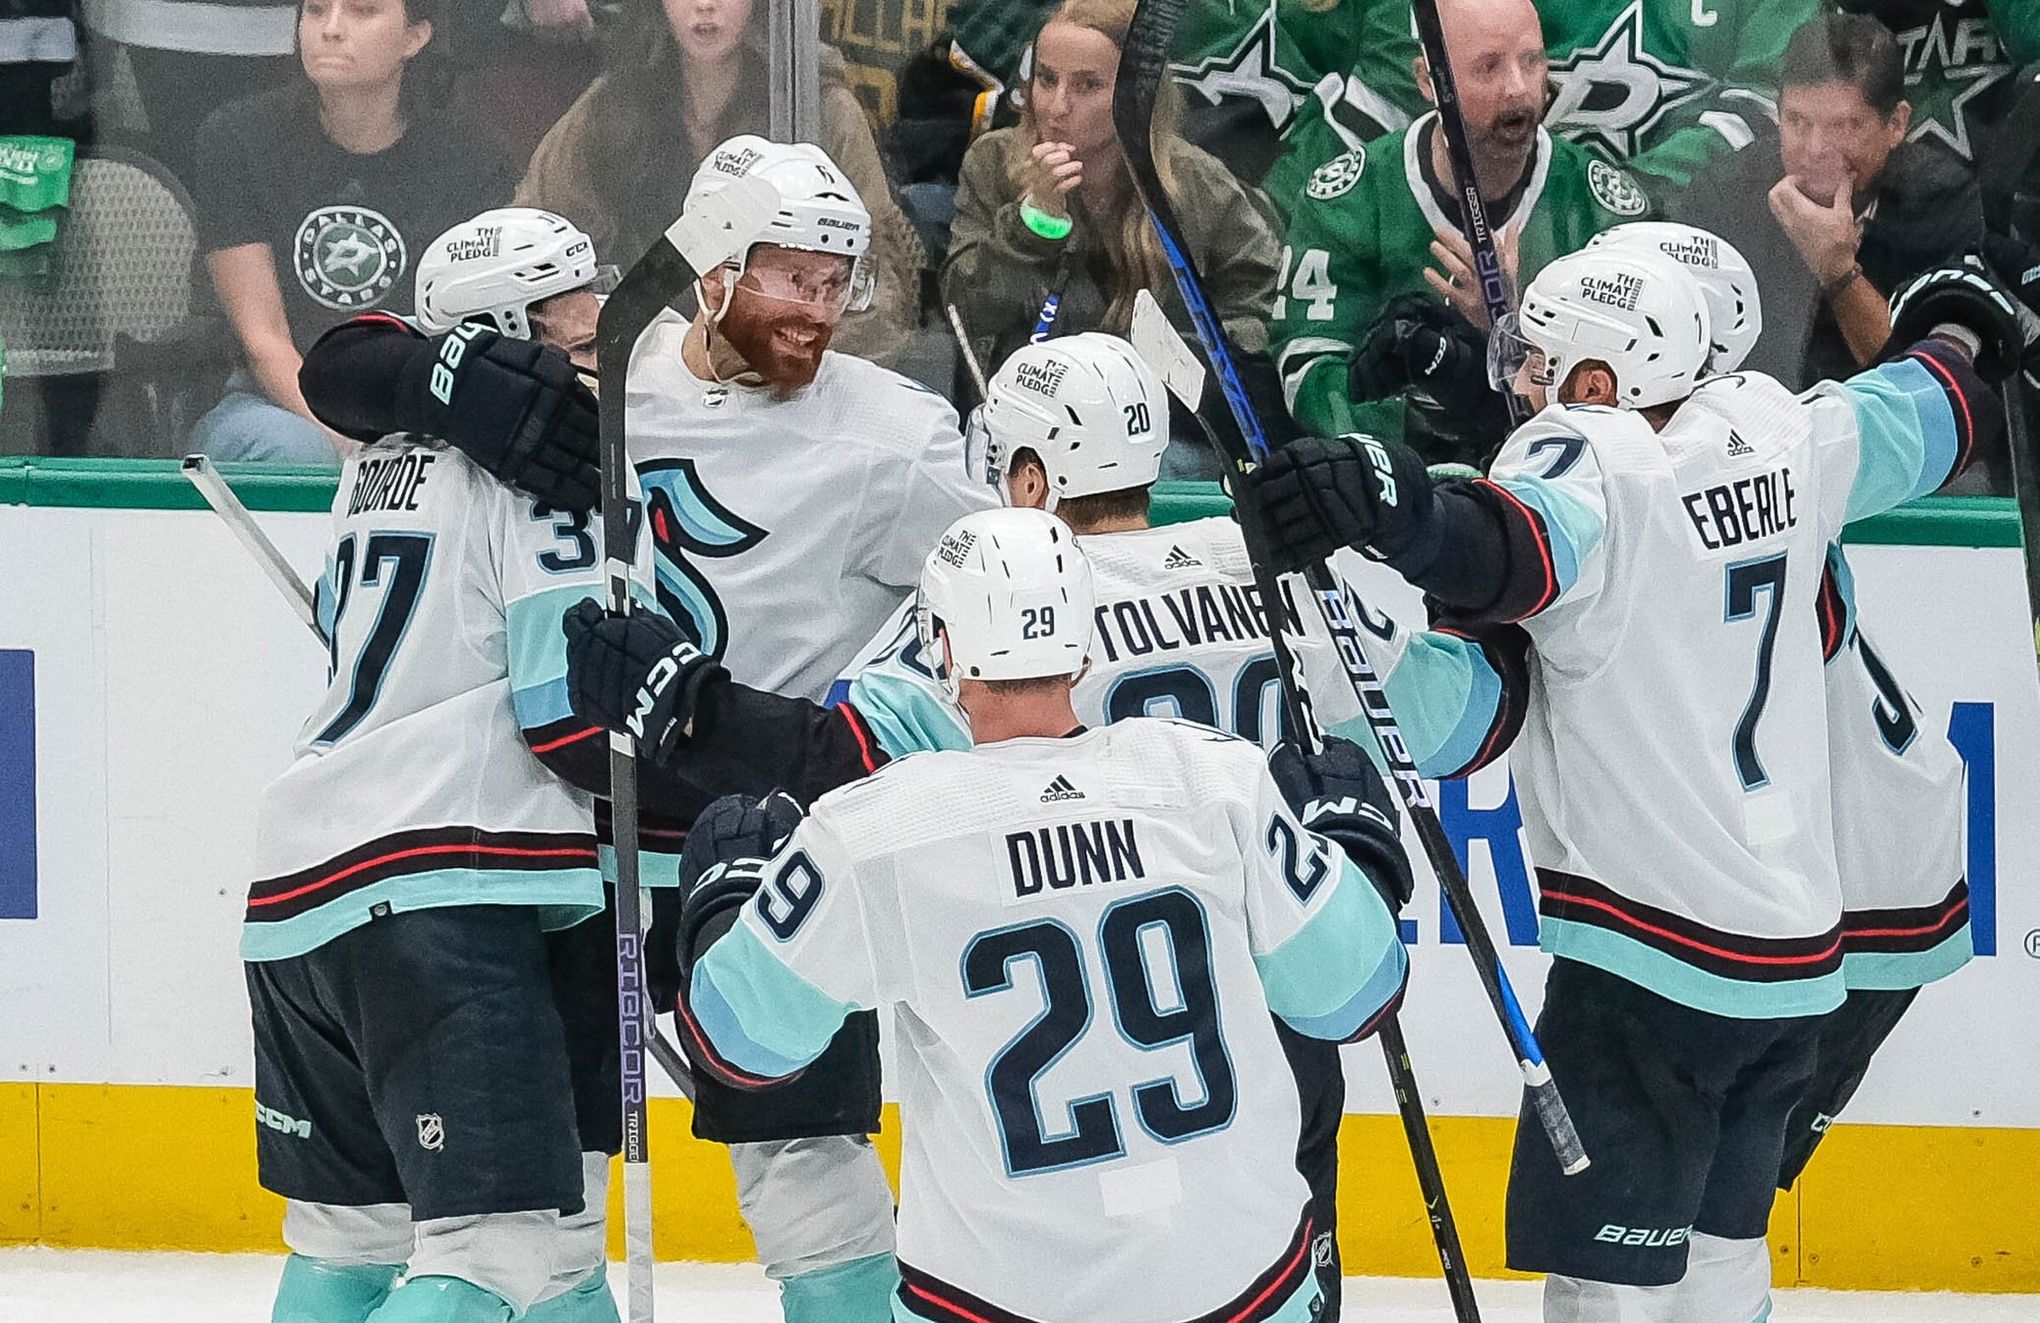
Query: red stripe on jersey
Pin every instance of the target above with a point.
(857, 728)
(422, 851)
(704, 1053)
(1954, 390)
(1944, 923)
(1810, 958)
(1282, 1279)
(565, 740)
(390, 319)
(1535, 523)
(948, 1306)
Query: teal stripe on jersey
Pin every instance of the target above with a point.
(565, 897)
(1895, 971)
(1338, 970)
(1444, 695)
(904, 714)
(535, 643)
(656, 868)
(542, 704)
(1670, 977)
(1571, 529)
(1908, 436)
(761, 1016)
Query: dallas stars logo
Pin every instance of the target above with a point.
(1611, 95)
(348, 257)
(1251, 71)
(1950, 62)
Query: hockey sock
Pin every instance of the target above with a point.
(860, 1291)
(590, 1302)
(442, 1300)
(1578, 1300)
(1726, 1281)
(326, 1291)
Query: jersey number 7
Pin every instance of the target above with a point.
(1191, 1017)
(1745, 580)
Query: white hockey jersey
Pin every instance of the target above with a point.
(415, 784)
(1082, 940)
(1901, 813)
(1673, 766)
(1180, 631)
(787, 529)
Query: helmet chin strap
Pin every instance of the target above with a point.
(712, 324)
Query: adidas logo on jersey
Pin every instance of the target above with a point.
(1060, 789)
(1179, 559)
(1737, 447)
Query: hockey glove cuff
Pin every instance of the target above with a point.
(517, 408)
(1315, 496)
(635, 673)
(1339, 794)
(1966, 295)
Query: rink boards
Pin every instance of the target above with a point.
(151, 683)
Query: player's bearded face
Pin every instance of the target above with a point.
(783, 313)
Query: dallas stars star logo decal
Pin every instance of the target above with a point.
(1250, 72)
(1611, 95)
(1948, 64)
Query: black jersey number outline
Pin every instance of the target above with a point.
(409, 556)
(1745, 580)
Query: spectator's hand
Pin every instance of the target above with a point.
(1454, 279)
(567, 16)
(1055, 173)
(1826, 237)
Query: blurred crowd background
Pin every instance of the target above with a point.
(191, 192)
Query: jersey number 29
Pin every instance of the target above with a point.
(1186, 1012)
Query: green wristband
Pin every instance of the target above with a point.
(1052, 228)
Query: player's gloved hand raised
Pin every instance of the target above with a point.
(1418, 342)
(518, 408)
(722, 864)
(1317, 495)
(1968, 295)
(1339, 794)
(637, 674)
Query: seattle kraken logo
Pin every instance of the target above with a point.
(686, 521)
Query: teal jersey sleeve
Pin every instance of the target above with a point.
(771, 992)
(1327, 949)
(893, 688)
(1447, 698)
(1909, 438)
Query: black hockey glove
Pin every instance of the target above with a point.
(1418, 343)
(723, 865)
(518, 408)
(637, 674)
(1315, 496)
(1966, 294)
(1339, 794)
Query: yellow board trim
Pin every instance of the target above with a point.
(1916, 1208)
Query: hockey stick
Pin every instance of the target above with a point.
(1143, 62)
(213, 487)
(1051, 307)
(1157, 342)
(1473, 217)
(970, 358)
(703, 239)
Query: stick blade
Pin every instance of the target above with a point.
(724, 223)
(1157, 341)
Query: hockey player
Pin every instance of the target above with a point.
(1074, 428)
(434, 1007)
(1653, 538)
(1003, 902)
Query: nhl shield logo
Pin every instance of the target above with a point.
(1615, 190)
(348, 257)
(431, 1132)
(1336, 177)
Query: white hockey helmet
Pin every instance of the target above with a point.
(1012, 592)
(1734, 307)
(1639, 312)
(1088, 406)
(497, 265)
(819, 210)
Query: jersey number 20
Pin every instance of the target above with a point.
(1186, 1012)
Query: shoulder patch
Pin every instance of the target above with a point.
(1615, 190)
(1336, 177)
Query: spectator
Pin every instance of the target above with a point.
(687, 76)
(314, 197)
(1050, 199)
(1250, 67)
(1370, 223)
(1665, 86)
(190, 57)
(1855, 210)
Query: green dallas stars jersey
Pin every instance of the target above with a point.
(1959, 59)
(1360, 225)
(1663, 86)
(1281, 53)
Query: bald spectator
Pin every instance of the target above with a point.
(1374, 229)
